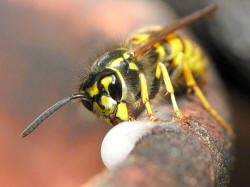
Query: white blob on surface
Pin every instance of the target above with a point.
(120, 141)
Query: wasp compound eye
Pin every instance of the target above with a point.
(115, 89)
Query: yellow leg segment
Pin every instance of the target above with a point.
(161, 67)
(191, 83)
(144, 95)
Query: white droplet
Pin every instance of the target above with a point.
(120, 141)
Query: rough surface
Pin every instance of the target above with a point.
(193, 153)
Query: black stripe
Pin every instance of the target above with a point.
(94, 77)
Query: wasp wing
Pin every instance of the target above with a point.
(183, 22)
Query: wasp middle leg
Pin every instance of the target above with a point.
(161, 69)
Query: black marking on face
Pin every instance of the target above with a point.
(88, 104)
(96, 77)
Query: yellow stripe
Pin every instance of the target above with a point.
(116, 62)
(188, 48)
(158, 72)
(161, 52)
(175, 45)
(177, 60)
(161, 55)
(126, 55)
(197, 64)
(133, 66)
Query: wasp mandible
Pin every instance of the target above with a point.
(133, 74)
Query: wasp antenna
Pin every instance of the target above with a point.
(49, 112)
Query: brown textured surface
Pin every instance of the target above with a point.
(193, 153)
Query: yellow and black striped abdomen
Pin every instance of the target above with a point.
(192, 55)
(167, 52)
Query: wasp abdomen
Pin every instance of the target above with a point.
(166, 51)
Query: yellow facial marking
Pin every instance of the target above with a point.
(122, 111)
(93, 90)
(133, 66)
(109, 104)
(105, 101)
(106, 82)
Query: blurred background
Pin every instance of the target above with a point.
(45, 48)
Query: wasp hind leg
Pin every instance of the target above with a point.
(192, 85)
(145, 98)
(161, 69)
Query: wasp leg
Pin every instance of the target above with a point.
(144, 94)
(162, 68)
(191, 83)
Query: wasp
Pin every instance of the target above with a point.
(126, 76)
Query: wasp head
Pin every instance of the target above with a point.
(105, 90)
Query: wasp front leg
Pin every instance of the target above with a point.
(162, 70)
(145, 98)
